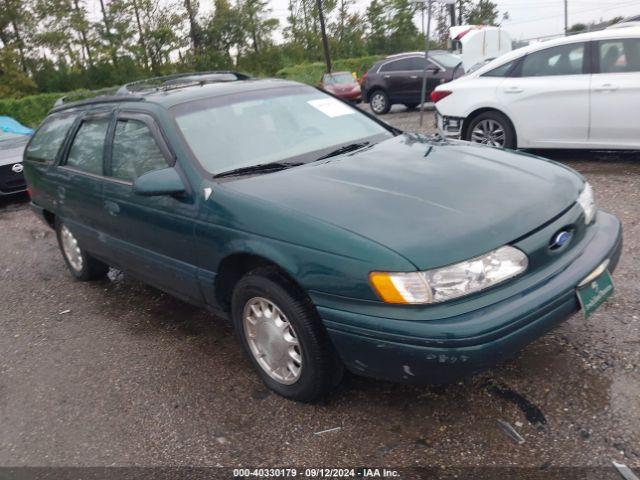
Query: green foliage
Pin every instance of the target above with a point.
(310, 73)
(29, 110)
(485, 12)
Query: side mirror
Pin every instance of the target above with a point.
(159, 182)
(433, 69)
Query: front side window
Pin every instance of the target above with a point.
(279, 125)
(87, 150)
(617, 56)
(401, 65)
(560, 60)
(46, 142)
(135, 151)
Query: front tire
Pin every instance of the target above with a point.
(81, 265)
(283, 336)
(379, 102)
(491, 128)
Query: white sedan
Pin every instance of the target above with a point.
(581, 91)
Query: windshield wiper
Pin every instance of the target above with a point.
(260, 168)
(352, 147)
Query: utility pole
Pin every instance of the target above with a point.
(325, 42)
(566, 22)
(426, 62)
(452, 14)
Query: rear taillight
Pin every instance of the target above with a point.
(364, 77)
(438, 95)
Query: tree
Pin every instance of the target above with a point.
(403, 33)
(485, 12)
(376, 22)
(13, 80)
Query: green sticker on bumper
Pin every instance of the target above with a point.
(594, 294)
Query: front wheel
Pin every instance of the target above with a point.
(82, 265)
(491, 128)
(379, 102)
(284, 337)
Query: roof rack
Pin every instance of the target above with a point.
(60, 105)
(180, 80)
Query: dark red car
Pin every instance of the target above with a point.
(341, 84)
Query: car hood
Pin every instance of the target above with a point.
(433, 203)
(11, 151)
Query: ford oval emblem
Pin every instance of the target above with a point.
(560, 239)
(17, 168)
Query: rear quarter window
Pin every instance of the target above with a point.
(46, 142)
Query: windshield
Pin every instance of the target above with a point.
(293, 125)
(338, 78)
(448, 60)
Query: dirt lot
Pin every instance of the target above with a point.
(117, 373)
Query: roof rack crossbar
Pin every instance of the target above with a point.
(167, 82)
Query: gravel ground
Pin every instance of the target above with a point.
(117, 373)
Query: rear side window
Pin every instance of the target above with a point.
(617, 56)
(560, 60)
(501, 71)
(135, 151)
(87, 150)
(46, 143)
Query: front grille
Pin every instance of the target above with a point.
(11, 181)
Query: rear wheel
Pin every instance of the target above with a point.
(491, 128)
(284, 337)
(379, 102)
(82, 265)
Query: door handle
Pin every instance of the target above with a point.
(413, 77)
(111, 207)
(606, 87)
(387, 76)
(513, 90)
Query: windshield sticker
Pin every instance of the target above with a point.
(331, 107)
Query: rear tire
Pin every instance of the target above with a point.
(283, 336)
(379, 102)
(491, 128)
(81, 265)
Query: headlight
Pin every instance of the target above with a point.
(452, 281)
(587, 201)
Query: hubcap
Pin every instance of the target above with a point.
(272, 340)
(378, 102)
(71, 249)
(488, 132)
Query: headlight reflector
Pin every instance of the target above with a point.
(452, 281)
(587, 201)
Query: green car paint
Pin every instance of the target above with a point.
(404, 204)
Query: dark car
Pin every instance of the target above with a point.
(13, 140)
(398, 78)
(329, 238)
(342, 85)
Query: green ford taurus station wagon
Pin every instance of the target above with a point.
(329, 238)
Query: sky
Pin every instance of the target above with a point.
(528, 19)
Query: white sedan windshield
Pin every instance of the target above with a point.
(280, 125)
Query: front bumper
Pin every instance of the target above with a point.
(354, 96)
(449, 127)
(523, 318)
